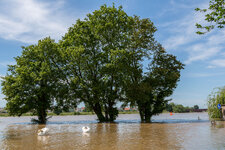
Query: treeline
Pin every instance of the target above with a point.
(178, 108)
(99, 62)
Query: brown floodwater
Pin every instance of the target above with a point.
(180, 131)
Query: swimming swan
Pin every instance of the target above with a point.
(85, 129)
(43, 131)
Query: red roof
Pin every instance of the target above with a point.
(127, 108)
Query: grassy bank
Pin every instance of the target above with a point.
(68, 113)
(82, 113)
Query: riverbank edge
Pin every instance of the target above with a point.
(77, 113)
(66, 114)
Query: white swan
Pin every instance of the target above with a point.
(85, 129)
(43, 131)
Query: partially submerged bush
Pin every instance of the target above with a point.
(215, 98)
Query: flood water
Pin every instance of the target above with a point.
(180, 131)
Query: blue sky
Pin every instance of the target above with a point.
(25, 22)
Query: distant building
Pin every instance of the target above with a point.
(80, 109)
(127, 108)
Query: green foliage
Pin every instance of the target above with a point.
(169, 107)
(104, 56)
(88, 108)
(215, 15)
(95, 52)
(196, 107)
(77, 113)
(149, 90)
(31, 84)
(57, 111)
(99, 61)
(178, 108)
(215, 98)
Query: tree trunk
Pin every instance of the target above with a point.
(141, 112)
(112, 113)
(41, 110)
(42, 116)
(42, 104)
(106, 113)
(98, 111)
(147, 117)
(141, 115)
(145, 112)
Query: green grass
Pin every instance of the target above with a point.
(68, 113)
(128, 112)
(72, 113)
(215, 119)
(82, 113)
(52, 114)
(7, 115)
(4, 114)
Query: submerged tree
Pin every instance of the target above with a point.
(215, 15)
(104, 56)
(150, 90)
(33, 83)
(98, 62)
(95, 51)
(215, 98)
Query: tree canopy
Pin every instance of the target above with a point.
(99, 50)
(99, 62)
(150, 90)
(33, 83)
(215, 16)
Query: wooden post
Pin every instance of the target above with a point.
(223, 111)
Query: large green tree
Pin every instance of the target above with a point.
(104, 55)
(34, 84)
(215, 16)
(149, 91)
(96, 51)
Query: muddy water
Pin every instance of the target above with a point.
(180, 131)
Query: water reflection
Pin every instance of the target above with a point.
(161, 137)
(103, 136)
(43, 139)
(127, 134)
(18, 137)
(86, 134)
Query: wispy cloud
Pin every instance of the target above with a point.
(217, 63)
(200, 52)
(175, 6)
(6, 63)
(200, 75)
(29, 20)
(1, 77)
(182, 32)
(2, 101)
(182, 37)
